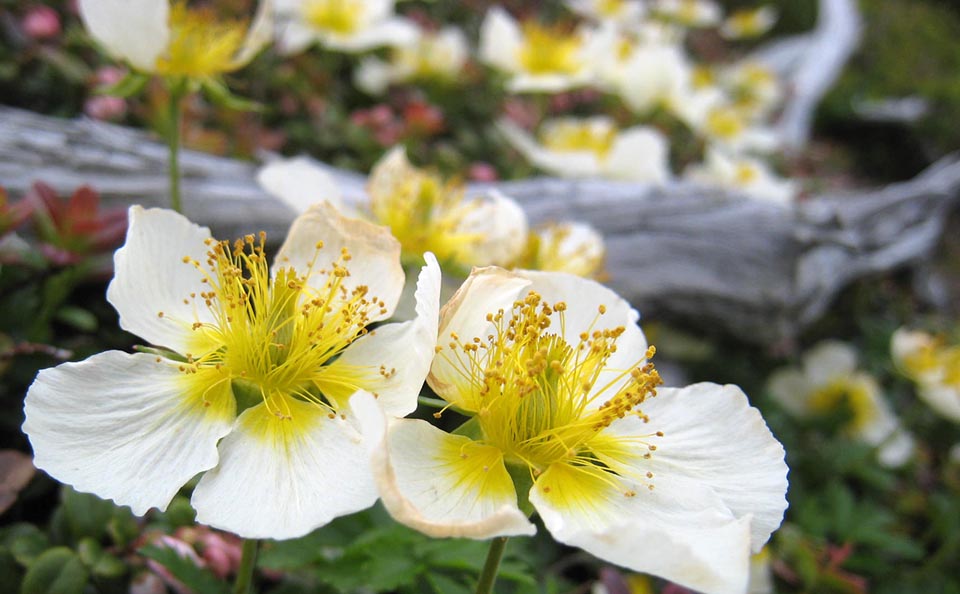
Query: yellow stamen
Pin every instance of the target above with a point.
(273, 335)
(549, 51)
(543, 401)
(199, 45)
(337, 16)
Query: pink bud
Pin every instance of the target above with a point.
(108, 75)
(482, 172)
(41, 22)
(104, 107)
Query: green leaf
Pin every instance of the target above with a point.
(200, 580)
(85, 515)
(442, 584)
(220, 95)
(127, 87)
(57, 571)
(25, 542)
(10, 572)
(78, 318)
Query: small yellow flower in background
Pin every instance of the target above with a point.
(425, 212)
(689, 13)
(827, 380)
(625, 13)
(749, 22)
(249, 381)
(434, 56)
(753, 88)
(536, 57)
(574, 248)
(565, 418)
(341, 25)
(174, 40)
(747, 175)
(594, 147)
(934, 365)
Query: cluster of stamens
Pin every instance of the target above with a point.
(275, 333)
(541, 400)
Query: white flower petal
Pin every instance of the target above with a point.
(679, 530)
(641, 153)
(374, 252)
(581, 163)
(259, 34)
(150, 277)
(392, 32)
(829, 360)
(792, 390)
(485, 291)
(293, 37)
(299, 183)
(403, 349)
(283, 477)
(439, 483)
(137, 31)
(943, 398)
(126, 427)
(714, 437)
(500, 40)
(502, 224)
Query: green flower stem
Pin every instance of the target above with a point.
(173, 144)
(432, 402)
(489, 573)
(247, 563)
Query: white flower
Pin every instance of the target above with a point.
(552, 371)
(750, 22)
(625, 13)
(437, 55)
(341, 25)
(574, 248)
(747, 175)
(713, 115)
(933, 365)
(425, 212)
(594, 147)
(253, 389)
(647, 75)
(689, 13)
(827, 380)
(537, 58)
(754, 87)
(299, 183)
(155, 37)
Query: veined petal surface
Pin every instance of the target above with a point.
(152, 286)
(403, 351)
(283, 476)
(485, 291)
(441, 484)
(137, 31)
(127, 427)
(712, 436)
(374, 253)
(679, 531)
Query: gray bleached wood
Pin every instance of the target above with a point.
(703, 256)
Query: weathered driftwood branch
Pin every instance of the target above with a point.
(754, 269)
(809, 64)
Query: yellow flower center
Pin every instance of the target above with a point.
(199, 45)
(850, 392)
(747, 23)
(574, 136)
(745, 175)
(425, 214)
(724, 123)
(935, 357)
(542, 401)
(272, 335)
(610, 8)
(549, 51)
(337, 16)
(549, 249)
